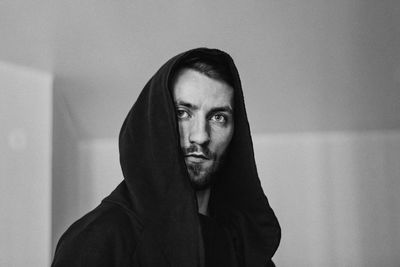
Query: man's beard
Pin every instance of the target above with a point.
(202, 177)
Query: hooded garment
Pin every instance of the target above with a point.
(151, 218)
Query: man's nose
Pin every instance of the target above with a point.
(199, 133)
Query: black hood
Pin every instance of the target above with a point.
(160, 192)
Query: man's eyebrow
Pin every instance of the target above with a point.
(227, 109)
(213, 110)
(185, 104)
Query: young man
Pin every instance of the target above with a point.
(191, 195)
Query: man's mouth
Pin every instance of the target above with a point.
(196, 157)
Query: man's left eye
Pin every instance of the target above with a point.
(219, 118)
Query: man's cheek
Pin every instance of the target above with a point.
(183, 136)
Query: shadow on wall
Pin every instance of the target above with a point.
(66, 185)
(84, 171)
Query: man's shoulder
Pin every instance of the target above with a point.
(107, 230)
(106, 219)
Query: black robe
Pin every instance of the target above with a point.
(151, 218)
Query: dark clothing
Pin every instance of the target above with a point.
(151, 218)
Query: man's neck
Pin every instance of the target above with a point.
(202, 201)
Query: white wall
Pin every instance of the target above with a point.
(305, 65)
(25, 166)
(336, 196)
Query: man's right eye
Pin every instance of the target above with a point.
(182, 114)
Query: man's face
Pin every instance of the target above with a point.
(204, 108)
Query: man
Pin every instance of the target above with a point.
(191, 195)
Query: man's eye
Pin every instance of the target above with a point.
(219, 118)
(182, 114)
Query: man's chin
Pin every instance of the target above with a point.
(200, 181)
(201, 176)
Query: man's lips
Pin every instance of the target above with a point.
(196, 157)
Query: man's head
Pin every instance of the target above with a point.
(203, 95)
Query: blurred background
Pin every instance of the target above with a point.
(322, 87)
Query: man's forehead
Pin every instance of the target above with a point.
(196, 88)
